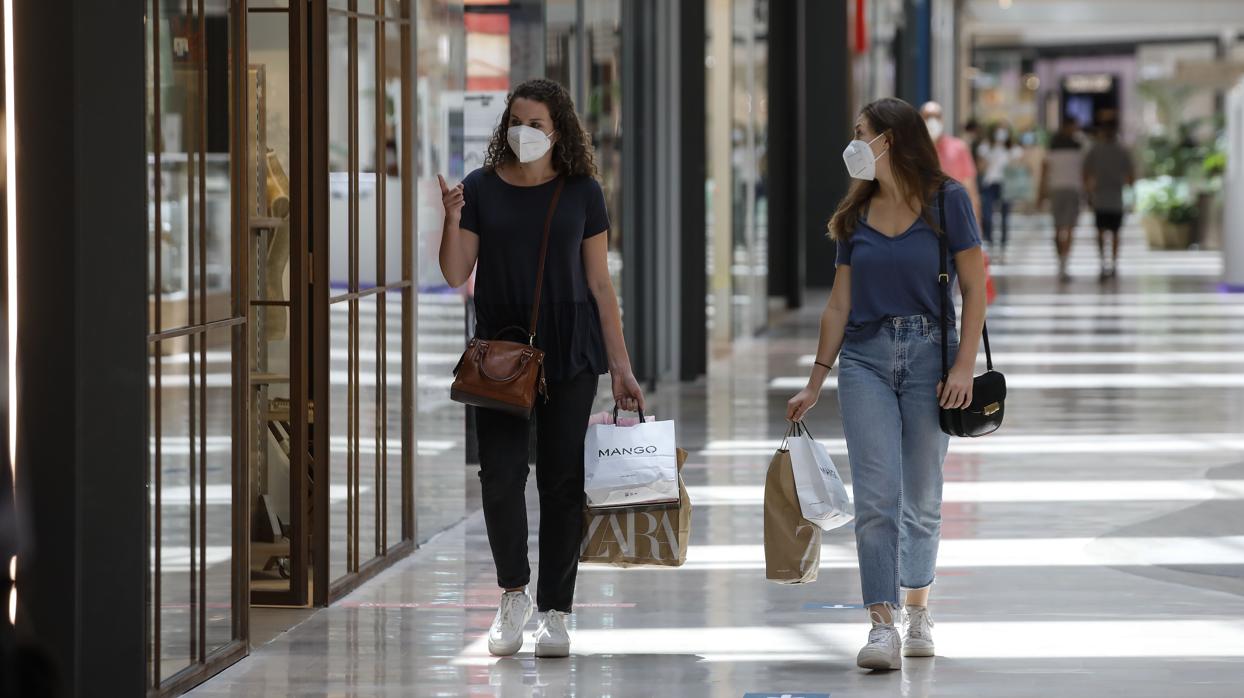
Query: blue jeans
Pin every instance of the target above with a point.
(887, 389)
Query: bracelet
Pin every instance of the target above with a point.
(827, 367)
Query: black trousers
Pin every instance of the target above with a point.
(561, 425)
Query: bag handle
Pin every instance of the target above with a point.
(544, 251)
(943, 279)
(615, 414)
(796, 429)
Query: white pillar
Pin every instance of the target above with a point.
(1233, 192)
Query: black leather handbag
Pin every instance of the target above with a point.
(984, 415)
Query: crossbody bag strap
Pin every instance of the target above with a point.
(943, 279)
(544, 252)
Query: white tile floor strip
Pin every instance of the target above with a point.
(821, 641)
(1072, 381)
(1101, 358)
(991, 552)
(1035, 444)
(1022, 491)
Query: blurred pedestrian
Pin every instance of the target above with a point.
(1107, 170)
(996, 154)
(1061, 184)
(955, 155)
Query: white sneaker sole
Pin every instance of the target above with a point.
(546, 650)
(879, 661)
(920, 650)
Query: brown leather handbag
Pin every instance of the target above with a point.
(507, 376)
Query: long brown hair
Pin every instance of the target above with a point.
(572, 151)
(913, 160)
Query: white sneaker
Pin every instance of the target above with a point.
(505, 637)
(552, 638)
(884, 648)
(917, 632)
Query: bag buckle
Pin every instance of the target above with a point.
(992, 409)
(943, 278)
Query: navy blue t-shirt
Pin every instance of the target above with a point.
(509, 221)
(897, 276)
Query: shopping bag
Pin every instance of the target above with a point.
(792, 544)
(652, 535)
(630, 465)
(822, 495)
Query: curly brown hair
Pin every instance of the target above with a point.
(573, 154)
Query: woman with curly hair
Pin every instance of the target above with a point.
(539, 157)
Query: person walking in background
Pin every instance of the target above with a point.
(1061, 185)
(883, 319)
(539, 158)
(1107, 170)
(995, 155)
(954, 154)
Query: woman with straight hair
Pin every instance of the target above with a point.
(540, 159)
(883, 322)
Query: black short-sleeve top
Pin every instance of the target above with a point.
(509, 221)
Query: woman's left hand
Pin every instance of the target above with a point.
(956, 392)
(626, 391)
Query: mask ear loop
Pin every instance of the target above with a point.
(874, 140)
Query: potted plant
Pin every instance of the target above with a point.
(1168, 211)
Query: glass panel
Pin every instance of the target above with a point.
(174, 89)
(153, 462)
(178, 529)
(215, 140)
(369, 428)
(392, 8)
(339, 153)
(600, 103)
(394, 176)
(341, 442)
(395, 390)
(256, 4)
(218, 509)
(442, 322)
(369, 155)
(748, 279)
(268, 348)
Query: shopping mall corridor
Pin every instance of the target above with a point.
(1093, 547)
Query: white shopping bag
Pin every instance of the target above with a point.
(630, 465)
(822, 494)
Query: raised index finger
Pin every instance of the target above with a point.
(444, 187)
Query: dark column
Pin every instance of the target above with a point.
(786, 240)
(81, 361)
(824, 122)
(693, 318)
(914, 52)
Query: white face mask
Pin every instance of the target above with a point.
(861, 163)
(935, 127)
(529, 144)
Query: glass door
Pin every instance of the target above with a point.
(363, 282)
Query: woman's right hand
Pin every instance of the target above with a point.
(453, 199)
(799, 405)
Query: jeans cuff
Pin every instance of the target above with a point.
(920, 588)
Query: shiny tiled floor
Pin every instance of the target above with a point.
(1095, 547)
